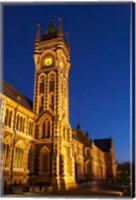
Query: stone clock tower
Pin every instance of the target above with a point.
(54, 159)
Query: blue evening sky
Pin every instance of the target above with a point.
(99, 79)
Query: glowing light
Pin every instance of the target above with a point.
(48, 61)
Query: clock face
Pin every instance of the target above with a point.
(48, 61)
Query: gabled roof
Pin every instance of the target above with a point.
(103, 144)
(17, 96)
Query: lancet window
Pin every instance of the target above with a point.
(46, 129)
(41, 92)
(45, 161)
(8, 118)
(51, 91)
(30, 128)
(31, 159)
(6, 154)
(18, 156)
(20, 123)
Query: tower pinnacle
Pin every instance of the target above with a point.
(67, 41)
(37, 37)
(60, 32)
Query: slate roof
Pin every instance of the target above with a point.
(50, 32)
(17, 96)
(103, 144)
(82, 137)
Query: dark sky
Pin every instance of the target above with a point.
(99, 79)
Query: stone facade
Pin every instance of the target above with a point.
(39, 146)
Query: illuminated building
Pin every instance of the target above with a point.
(40, 147)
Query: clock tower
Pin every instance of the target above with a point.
(52, 132)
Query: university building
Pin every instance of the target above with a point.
(40, 148)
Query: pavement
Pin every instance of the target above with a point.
(94, 189)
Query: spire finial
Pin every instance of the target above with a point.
(67, 41)
(60, 32)
(38, 32)
(87, 133)
(78, 126)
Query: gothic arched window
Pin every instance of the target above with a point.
(51, 84)
(6, 154)
(44, 161)
(17, 123)
(46, 129)
(41, 92)
(30, 128)
(41, 89)
(43, 129)
(21, 123)
(10, 119)
(6, 117)
(18, 156)
(51, 101)
(31, 159)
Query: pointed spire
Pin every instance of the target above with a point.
(67, 41)
(87, 134)
(60, 32)
(78, 126)
(37, 37)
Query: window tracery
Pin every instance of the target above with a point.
(18, 156)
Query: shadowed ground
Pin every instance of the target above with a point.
(93, 189)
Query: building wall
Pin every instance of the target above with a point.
(98, 162)
(18, 149)
(24, 156)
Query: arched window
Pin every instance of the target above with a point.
(6, 117)
(31, 159)
(41, 92)
(18, 156)
(51, 88)
(30, 128)
(17, 123)
(23, 125)
(10, 119)
(20, 129)
(43, 129)
(46, 128)
(45, 161)
(41, 87)
(51, 101)
(51, 84)
(6, 154)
